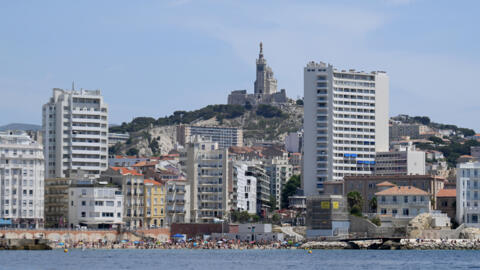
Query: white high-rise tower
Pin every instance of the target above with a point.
(75, 133)
(345, 123)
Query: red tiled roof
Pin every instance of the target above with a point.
(151, 181)
(402, 190)
(385, 184)
(145, 163)
(126, 171)
(447, 193)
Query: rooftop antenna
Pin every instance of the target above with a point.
(73, 85)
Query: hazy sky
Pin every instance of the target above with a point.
(151, 58)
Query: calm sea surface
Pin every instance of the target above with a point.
(239, 259)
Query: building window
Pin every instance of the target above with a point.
(84, 214)
(405, 212)
(84, 203)
(405, 199)
(383, 211)
(394, 211)
(394, 198)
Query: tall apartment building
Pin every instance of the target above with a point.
(345, 123)
(244, 188)
(207, 173)
(75, 133)
(224, 136)
(21, 180)
(468, 190)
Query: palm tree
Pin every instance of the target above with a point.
(354, 199)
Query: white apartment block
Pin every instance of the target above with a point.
(345, 123)
(468, 189)
(75, 133)
(178, 201)
(407, 162)
(224, 136)
(94, 205)
(244, 195)
(21, 180)
(207, 173)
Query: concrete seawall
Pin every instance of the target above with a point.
(161, 235)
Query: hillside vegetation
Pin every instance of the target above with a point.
(150, 136)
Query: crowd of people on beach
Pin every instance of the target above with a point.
(173, 244)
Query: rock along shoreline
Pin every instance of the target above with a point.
(403, 244)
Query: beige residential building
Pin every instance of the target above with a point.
(131, 183)
(402, 202)
(207, 174)
(56, 202)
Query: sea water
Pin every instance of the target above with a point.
(240, 259)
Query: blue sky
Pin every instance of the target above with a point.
(151, 58)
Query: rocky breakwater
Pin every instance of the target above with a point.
(431, 244)
(24, 244)
(326, 245)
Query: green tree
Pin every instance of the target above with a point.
(276, 218)
(132, 152)
(376, 221)
(356, 210)
(355, 200)
(299, 102)
(435, 140)
(289, 189)
(115, 149)
(273, 202)
(268, 111)
(154, 147)
(373, 204)
(255, 218)
(243, 217)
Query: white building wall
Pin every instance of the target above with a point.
(468, 197)
(94, 205)
(246, 188)
(345, 122)
(75, 133)
(21, 180)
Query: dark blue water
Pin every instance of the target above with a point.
(239, 259)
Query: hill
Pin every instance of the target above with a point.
(20, 126)
(150, 136)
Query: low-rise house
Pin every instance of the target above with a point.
(367, 185)
(447, 202)
(93, 204)
(402, 202)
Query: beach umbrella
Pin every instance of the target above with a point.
(177, 235)
(61, 244)
(136, 242)
(124, 240)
